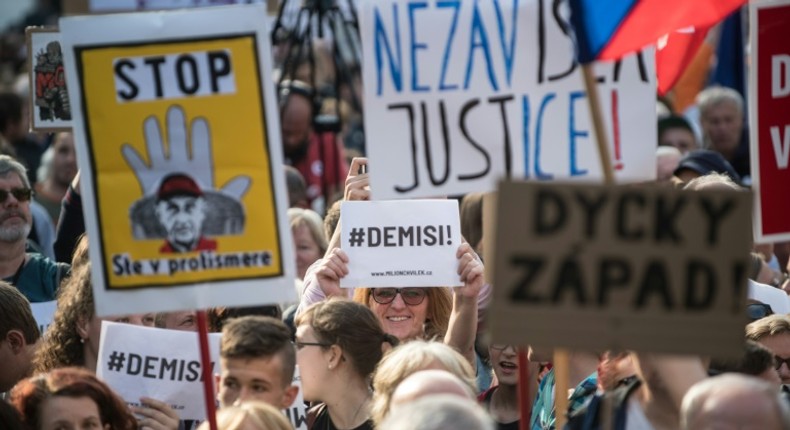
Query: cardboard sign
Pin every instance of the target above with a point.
(769, 95)
(44, 314)
(409, 243)
(50, 109)
(591, 267)
(179, 147)
(138, 361)
(461, 94)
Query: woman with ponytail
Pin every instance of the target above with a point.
(338, 345)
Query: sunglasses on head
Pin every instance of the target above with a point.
(410, 296)
(755, 311)
(21, 194)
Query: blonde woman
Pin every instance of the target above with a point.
(307, 228)
(250, 416)
(410, 358)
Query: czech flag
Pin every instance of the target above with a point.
(610, 29)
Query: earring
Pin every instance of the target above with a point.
(330, 367)
(82, 340)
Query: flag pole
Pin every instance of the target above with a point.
(594, 103)
(525, 407)
(561, 368)
(206, 368)
(561, 356)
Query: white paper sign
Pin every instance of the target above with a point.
(461, 94)
(297, 413)
(408, 243)
(162, 364)
(44, 313)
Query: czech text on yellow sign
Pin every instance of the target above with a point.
(182, 176)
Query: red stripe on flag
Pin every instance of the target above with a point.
(649, 20)
(672, 59)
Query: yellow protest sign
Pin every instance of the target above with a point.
(179, 151)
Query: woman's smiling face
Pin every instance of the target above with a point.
(400, 319)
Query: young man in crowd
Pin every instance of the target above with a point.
(257, 361)
(18, 337)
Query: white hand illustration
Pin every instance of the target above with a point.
(197, 163)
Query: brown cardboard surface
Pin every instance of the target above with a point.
(489, 234)
(75, 7)
(591, 289)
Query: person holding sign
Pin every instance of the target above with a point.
(416, 312)
(73, 339)
(406, 313)
(339, 343)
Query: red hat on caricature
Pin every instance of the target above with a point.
(178, 184)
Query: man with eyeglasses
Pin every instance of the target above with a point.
(773, 332)
(36, 276)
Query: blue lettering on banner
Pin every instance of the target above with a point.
(387, 46)
(381, 36)
(575, 171)
(479, 31)
(508, 51)
(456, 5)
(415, 46)
(539, 124)
(477, 44)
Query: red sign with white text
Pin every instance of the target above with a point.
(770, 136)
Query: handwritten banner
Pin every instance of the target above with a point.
(593, 267)
(461, 94)
(410, 243)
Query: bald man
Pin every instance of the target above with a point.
(734, 401)
(440, 412)
(429, 382)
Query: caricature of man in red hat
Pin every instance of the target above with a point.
(180, 207)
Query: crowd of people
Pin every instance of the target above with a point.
(368, 358)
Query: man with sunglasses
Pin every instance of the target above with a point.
(36, 276)
(773, 332)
